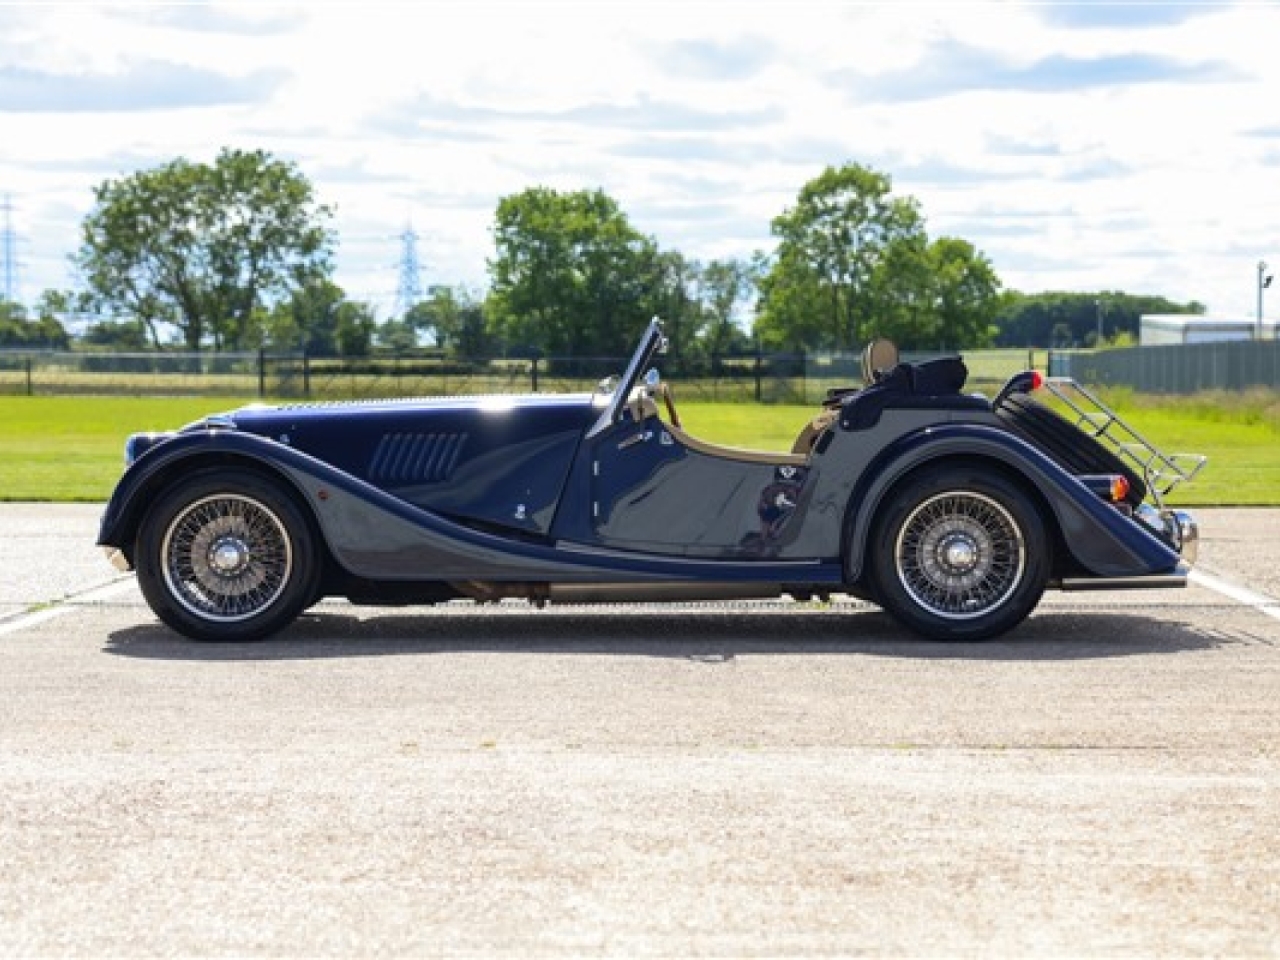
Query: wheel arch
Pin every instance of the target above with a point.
(898, 467)
(123, 520)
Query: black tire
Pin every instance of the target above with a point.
(1066, 443)
(227, 555)
(959, 552)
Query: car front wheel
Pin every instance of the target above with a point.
(959, 553)
(226, 555)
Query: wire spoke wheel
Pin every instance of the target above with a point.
(960, 555)
(226, 557)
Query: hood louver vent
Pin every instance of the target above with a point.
(416, 457)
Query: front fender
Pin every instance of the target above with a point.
(181, 453)
(1099, 538)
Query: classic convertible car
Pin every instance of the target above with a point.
(951, 511)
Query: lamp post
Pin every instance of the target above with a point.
(1097, 344)
(1264, 281)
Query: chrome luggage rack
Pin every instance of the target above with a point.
(1162, 471)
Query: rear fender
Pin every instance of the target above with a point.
(1100, 539)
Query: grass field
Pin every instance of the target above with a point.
(69, 448)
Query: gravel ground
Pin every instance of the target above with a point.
(698, 781)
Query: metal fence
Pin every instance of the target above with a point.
(296, 376)
(763, 377)
(1176, 368)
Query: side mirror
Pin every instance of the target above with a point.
(878, 357)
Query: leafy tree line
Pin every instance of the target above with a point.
(238, 254)
(41, 332)
(1075, 319)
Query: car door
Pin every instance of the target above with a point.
(654, 491)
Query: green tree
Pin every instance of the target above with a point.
(723, 286)
(308, 320)
(831, 243)
(203, 247)
(937, 295)
(454, 318)
(672, 284)
(13, 324)
(967, 293)
(432, 316)
(17, 330)
(398, 336)
(128, 336)
(570, 275)
(320, 321)
(356, 325)
(901, 295)
(793, 308)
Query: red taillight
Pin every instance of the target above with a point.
(1112, 487)
(1028, 381)
(1119, 488)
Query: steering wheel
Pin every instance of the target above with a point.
(669, 399)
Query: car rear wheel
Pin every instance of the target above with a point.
(959, 553)
(226, 555)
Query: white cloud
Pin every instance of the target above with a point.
(1134, 147)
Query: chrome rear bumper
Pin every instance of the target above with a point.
(1176, 526)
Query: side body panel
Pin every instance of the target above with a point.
(501, 461)
(375, 535)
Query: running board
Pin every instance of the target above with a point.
(1177, 578)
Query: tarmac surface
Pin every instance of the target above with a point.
(722, 780)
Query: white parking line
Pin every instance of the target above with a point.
(1265, 605)
(67, 604)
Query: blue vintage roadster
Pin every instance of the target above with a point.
(952, 511)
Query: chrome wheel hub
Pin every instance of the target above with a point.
(960, 555)
(228, 556)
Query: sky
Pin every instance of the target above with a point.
(1079, 146)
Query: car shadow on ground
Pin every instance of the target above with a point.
(712, 636)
